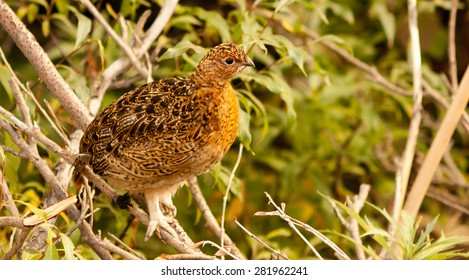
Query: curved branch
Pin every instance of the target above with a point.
(101, 85)
(46, 70)
(211, 221)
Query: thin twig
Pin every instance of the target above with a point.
(18, 244)
(358, 203)
(371, 70)
(106, 244)
(252, 235)
(186, 257)
(118, 66)
(432, 93)
(123, 44)
(414, 127)
(453, 66)
(438, 147)
(455, 174)
(7, 198)
(58, 191)
(135, 253)
(221, 251)
(227, 192)
(211, 221)
(281, 213)
(447, 199)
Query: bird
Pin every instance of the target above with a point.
(152, 139)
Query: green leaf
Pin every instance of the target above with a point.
(251, 29)
(281, 4)
(45, 26)
(280, 232)
(38, 212)
(274, 83)
(12, 164)
(214, 19)
(442, 246)
(250, 101)
(77, 82)
(185, 21)
(297, 55)
(68, 247)
(43, 3)
(181, 48)
(244, 132)
(342, 11)
(84, 26)
(4, 76)
(62, 6)
(388, 21)
(64, 23)
(51, 253)
(32, 11)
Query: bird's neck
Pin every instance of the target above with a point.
(204, 78)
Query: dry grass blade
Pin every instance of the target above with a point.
(438, 147)
(50, 212)
(292, 222)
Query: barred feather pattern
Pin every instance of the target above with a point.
(160, 134)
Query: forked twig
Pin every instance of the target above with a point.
(292, 222)
(276, 252)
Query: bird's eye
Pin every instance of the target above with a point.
(229, 61)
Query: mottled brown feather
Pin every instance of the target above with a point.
(160, 134)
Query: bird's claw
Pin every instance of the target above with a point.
(155, 225)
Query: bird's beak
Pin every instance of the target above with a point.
(249, 62)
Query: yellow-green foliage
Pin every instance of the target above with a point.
(311, 122)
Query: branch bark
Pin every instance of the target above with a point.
(46, 70)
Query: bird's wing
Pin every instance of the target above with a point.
(153, 126)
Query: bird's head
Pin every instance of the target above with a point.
(222, 63)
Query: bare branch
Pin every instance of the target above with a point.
(51, 211)
(411, 143)
(221, 250)
(275, 252)
(11, 222)
(186, 257)
(101, 85)
(135, 253)
(372, 71)
(292, 222)
(211, 221)
(447, 199)
(29, 46)
(106, 244)
(123, 44)
(18, 244)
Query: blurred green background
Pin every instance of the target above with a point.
(312, 123)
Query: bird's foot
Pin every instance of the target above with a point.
(158, 225)
(168, 209)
